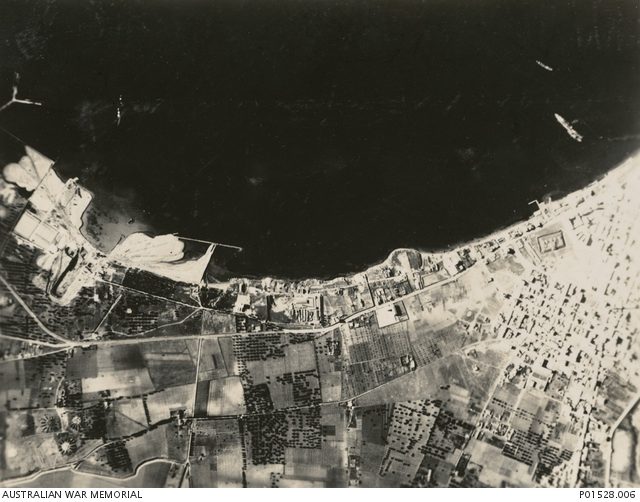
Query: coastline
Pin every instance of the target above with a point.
(381, 262)
(547, 200)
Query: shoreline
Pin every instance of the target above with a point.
(547, 198)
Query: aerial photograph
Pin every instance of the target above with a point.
(319, 244)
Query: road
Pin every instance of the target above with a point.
(609, 444)
(27, 309)
(67, 343)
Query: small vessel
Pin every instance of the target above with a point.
(542, 65)
(568, 127)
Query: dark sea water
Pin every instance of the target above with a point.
(320, 135)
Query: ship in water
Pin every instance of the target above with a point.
(543, 66)
(568, 127)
